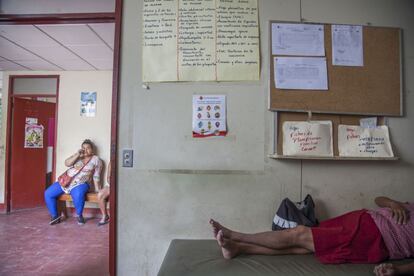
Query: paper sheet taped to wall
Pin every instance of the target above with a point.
(313, 138)
(357, 141)
(200, 40)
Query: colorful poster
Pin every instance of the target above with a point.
(312, 138)
(209, 115)
(356, 141)
(33, 137)
(88, 104)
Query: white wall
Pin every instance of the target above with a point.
(178, 183)
(72, 129)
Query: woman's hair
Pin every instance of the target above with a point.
(89, 142)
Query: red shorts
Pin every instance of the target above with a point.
(350, 238)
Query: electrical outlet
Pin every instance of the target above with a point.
(127, 158)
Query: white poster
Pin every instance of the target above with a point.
(202, 40)
(312, 138)
(209, 115)
(356, 141)
(88, 104)
(308, 73)
(33, 137)
(298, 39)
(347, 46)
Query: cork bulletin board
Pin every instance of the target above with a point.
(373, 89)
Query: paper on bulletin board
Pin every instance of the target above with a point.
(357, 141)
(33, 137)
(313, 138)
(347, 45)
(209, 115)
(88, 104)
(298, 39)
(307, 73)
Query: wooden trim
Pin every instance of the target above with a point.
(34, 96)
(7, 168)
(64, 18)
(114, 140)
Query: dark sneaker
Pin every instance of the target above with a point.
(55, 220)
(81, 220)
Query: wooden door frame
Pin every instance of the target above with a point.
(8, 152)
(83, 18)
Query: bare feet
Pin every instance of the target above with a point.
(217, 227)
(228, 248)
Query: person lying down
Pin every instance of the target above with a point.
(362, 236)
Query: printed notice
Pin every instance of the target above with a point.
(307, 73)
(298, 39)
(347, 46)
(356, 141)
(312, 138)
(33, 136)
(209, 116)
(200, 40)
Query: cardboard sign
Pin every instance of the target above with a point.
(358, 141)
(312, 138)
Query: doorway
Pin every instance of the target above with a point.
(86, 18)
(32, 126)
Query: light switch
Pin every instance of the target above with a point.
(127, 158)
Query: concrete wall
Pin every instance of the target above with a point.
(178, 183)
(72, 129)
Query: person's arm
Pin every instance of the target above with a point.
(73, 158)
(399, 211)
(388, 269)
(108, 173)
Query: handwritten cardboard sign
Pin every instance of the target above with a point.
(312, 138)
(364, 142)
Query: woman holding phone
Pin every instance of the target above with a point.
(84, 166)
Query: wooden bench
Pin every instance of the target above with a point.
(90, 197)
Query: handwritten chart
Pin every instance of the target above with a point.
(200, 40)
(312, 138)
(364, 142)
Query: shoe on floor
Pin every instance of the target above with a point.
(81, 220)
(104, 221)
(55, 220)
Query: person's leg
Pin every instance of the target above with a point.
(102, 197)
(78, 195)
(231, 249)
(51, 195)
(300, 236)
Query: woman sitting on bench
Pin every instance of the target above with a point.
(363, 236)
(84, 166)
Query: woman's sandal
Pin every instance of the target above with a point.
(105, 221)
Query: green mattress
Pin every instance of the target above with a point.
(203, 257)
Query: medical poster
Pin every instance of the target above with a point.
(88, 104)
(357, 141)
(33, 137)
(313, 138)
(209, 115)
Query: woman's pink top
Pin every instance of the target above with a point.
(399, 238)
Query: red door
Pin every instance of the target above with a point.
(28, 157)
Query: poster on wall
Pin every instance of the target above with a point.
(357, 141)
(313, 138)
(88, 104)
(33, 134)
(209, 115)
(203, 40)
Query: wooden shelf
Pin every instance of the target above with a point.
(275, 156)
